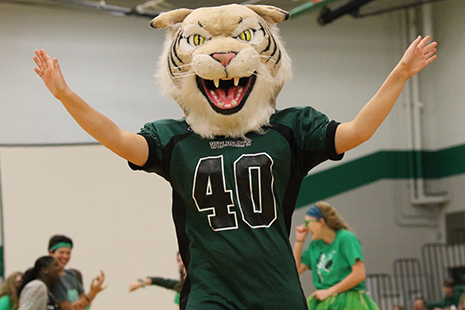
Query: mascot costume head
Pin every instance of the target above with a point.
(224, 66)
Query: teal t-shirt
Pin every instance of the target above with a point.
(5, 303)
(331, 263)
(68, 288)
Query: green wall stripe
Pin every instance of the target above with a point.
(378, 166)
(444, 163)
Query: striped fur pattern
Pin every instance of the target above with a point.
(224, 66)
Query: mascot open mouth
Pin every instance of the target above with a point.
(227, 96)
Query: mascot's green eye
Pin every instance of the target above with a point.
(197, 39)
(246, 35)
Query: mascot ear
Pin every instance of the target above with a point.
(169, 19)
(270, 14)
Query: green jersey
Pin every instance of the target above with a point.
(331, 263)
(233, 201)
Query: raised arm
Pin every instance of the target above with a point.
(418, 55)
(301, 234)
(129, 146)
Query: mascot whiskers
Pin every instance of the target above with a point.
(224, 66)
(235, 162)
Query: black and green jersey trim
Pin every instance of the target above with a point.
(233, 201)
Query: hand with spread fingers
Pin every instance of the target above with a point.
(418, 55)
(50, 72)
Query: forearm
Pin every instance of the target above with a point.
(297, 250)
(84, 300)
(166, 283)
(352, 280)
(378, 108)
(351, 134)
(127, 145)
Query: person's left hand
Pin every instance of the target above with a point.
(322, 294)
(97, 283)
(418, 55)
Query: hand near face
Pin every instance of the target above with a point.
(301, 232)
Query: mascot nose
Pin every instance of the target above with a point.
(224, 58)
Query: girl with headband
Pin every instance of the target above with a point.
(335, 259)
(69, 292)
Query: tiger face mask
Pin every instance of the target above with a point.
(224, 66)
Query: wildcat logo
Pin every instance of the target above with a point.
(324, 264)
(232, 143)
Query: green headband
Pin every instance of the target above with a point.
(61, 245)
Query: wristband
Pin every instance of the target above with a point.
(142, 281)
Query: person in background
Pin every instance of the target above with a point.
(69, 292)
(34, 293)
(452, 293)
(419, 304)
(462, 302)
(78, 275)
(335, 258)
(171, 284)
(397, 307)
(9, 292)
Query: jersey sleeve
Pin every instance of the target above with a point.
(155, 159)
(351, 248)
(310, 133)
(166, 283)
(316, 132)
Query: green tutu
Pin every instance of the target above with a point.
(349, 300)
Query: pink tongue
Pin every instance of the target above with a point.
(223, 100)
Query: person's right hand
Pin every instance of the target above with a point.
(49, 71)
(301, 232)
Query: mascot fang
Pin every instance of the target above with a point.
(224, 66)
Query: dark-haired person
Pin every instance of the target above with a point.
(34, 291)
(69, 292)
(9, 292)
(335, 258)
(419, 303)
(452, 293)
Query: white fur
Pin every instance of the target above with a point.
(197, 111)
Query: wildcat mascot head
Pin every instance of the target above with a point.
(224, 66)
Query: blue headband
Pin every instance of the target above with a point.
(315, 212)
